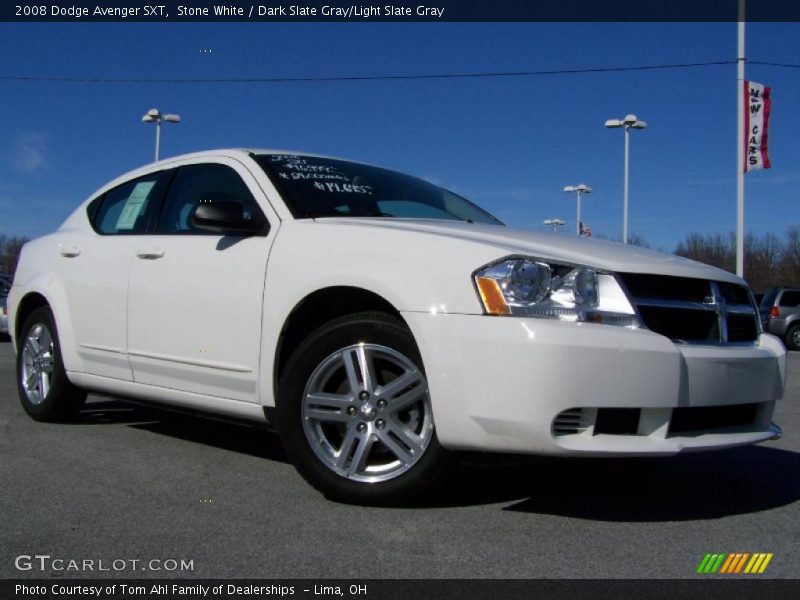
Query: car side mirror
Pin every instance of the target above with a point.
(225, 217)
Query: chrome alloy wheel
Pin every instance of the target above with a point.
(367, 413)
(38, 358)
(796, 337)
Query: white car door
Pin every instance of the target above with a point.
(195, 297)
(93, 269)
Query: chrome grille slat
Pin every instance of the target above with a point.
(667, 303)
(739, 309)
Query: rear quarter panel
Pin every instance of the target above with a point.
(36, 273)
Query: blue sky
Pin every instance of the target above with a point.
(509, 144)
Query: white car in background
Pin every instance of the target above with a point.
(378, 322)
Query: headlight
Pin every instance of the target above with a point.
(526, 287)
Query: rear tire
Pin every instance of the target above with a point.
(44, 390)
(354, 412)
(793, 338)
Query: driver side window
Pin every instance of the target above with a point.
(206, 183)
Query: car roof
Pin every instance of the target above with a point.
(244, 152)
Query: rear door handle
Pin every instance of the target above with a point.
(149, 253)
(70, 251)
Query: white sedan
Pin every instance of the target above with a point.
(378, 322)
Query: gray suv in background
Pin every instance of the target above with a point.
(780, 315)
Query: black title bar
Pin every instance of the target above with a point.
(398, 11)
(708, 588)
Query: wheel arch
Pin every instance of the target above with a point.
(318, 308)
(792, 319)
(49, 293)
(29, 303)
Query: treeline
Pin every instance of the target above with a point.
(768, 259)
(10, 248)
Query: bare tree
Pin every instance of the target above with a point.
(762, 258)
(634, 239)
(10, 248)
(789, 268)
(768, 260)
(714, 249)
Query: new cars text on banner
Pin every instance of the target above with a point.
(756, 125)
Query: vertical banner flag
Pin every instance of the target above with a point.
(756, 125)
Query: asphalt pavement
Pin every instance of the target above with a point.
(138, 484)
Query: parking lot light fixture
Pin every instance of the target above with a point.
(628, 123)
(554, 223)
(154, 116)
(579, 190)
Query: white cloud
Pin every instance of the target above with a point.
(29, 152)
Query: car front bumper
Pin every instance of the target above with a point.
(544, 387)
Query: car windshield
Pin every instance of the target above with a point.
(315, 187)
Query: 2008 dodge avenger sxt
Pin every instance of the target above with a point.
(378, 322)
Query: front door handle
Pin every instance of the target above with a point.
(70, 251)
(149, 253)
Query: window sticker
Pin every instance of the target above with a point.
(134, 205)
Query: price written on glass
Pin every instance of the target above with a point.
(344, 188)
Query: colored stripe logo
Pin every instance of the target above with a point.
(736, 562)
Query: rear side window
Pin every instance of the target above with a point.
(123, 210)
(204, 183)
(769, 298)
(790, 299)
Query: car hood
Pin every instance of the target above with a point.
(611, 256)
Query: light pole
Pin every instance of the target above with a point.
(629, 122)
(154, 116)
(580, 190)
(554, 223)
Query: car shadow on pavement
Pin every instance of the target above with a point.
(236, 437)
(681, 488)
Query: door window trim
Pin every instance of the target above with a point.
(156, 197)
(155, 218)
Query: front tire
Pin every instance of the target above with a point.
(354, 412)
(44, 390)
(793, 338)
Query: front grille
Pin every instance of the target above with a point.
(742, 328)
(667, 288)
(694, 310)
(679, 323)
(689, 419)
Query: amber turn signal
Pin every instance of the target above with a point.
(492, 296)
